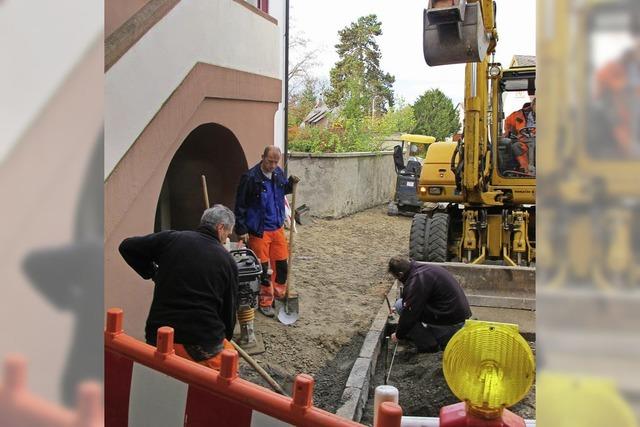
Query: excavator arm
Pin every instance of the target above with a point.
(464, 31)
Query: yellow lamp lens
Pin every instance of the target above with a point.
(489, 365)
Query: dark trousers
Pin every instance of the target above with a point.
(432, 338)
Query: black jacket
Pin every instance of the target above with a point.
(250, 206)
(433, 296)
(196, 284)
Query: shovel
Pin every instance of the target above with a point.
(288, 311)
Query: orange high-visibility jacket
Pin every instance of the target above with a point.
(515, 122)
(613, 85)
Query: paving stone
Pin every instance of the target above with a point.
(371, 344)
(349, 403)
(359, 373)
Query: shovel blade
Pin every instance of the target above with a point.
(287, 318)
(288, 311)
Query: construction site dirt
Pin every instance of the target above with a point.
(340, 269)
(340, 273)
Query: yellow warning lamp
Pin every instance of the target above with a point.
(490, 367)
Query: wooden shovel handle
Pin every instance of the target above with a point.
(291, 236)
(258, 368)
(205, 193)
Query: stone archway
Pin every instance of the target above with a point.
(211, 150)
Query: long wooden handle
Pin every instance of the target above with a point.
(291, 236)
(259, 369)
(205, 192)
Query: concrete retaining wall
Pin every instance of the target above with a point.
(334, 185)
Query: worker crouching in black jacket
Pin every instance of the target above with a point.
(196, 285)
(433, 306)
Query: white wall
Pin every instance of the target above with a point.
(221, 33)
(277, 9)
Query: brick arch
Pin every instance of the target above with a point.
(211, 150)
(242, 103)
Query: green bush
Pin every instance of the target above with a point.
(355, 134)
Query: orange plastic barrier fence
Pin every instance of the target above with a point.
(137, 392)
(20, 408)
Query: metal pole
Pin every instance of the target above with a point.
(386, 380)
(286, 88)
(384, 360)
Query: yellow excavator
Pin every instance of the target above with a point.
(591, 141)
(486, 203)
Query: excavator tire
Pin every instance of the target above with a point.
(418, 237)
(437, 238)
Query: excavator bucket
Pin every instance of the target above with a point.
(454, 33)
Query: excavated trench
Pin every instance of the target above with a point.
(421, 385)
(340, 274)
(339, 270)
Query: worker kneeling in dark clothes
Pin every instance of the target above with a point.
(196, 285)
(432, 307)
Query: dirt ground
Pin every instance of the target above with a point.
(421, 386)
(339, 269)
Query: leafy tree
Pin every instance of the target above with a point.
(357, 73)
(301, 103)
(303, 59)
(435, 115)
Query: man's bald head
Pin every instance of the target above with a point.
(271, 149)
(270, 158)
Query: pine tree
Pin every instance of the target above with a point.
(357, 73)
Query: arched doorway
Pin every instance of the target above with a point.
(211, 150)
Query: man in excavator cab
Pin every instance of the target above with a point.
(520, 127)
(616, 100)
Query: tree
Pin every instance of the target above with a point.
(302, 102)
(303, 58)
(435, 115)
(357, 73)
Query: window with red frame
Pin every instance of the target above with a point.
(263, 5)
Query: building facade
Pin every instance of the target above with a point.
(192, 88)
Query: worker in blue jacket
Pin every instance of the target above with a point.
(260, 216)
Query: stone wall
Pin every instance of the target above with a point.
(334, 185)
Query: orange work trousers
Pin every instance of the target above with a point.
(214, 363)
(271, 248)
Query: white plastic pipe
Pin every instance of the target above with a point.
(420, 422)
(435, 422)
(383, 393)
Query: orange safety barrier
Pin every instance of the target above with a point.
(20, 408)
(141, 380)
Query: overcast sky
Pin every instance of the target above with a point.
(401, 40)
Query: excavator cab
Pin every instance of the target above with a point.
(516, 88)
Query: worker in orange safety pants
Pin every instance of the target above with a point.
(260, 216)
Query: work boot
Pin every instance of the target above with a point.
(267, 311)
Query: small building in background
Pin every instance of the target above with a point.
(319, 116)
